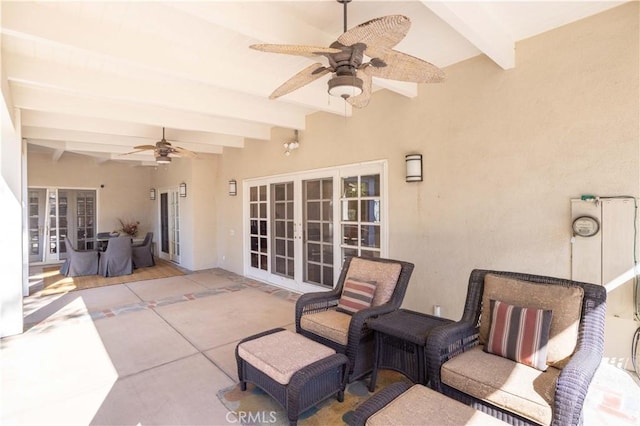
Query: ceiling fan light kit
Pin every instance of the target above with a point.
(163, 159)
(352, 78)
(345, 86)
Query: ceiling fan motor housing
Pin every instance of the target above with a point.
(345, 82)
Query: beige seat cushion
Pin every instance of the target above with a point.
(421, 405)
(279, 355)
(504, 383)
(330, 324)
(565, 302)
(384, 274)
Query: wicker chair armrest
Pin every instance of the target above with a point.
(572, 386)
(358, 325)
(444, 343)
(309, 303)
(377, 402)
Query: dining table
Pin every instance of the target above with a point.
(102, 240)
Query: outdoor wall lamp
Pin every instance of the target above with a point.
(414, 167)
(152, 194)
(183, 189)
(233, 187)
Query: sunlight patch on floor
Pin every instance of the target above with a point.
(32, 366)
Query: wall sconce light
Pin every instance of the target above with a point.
(152, 194)
(183, 189)
(233, 187)
(414, 167)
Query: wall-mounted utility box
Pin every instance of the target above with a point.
(607, 258)
(609, 254)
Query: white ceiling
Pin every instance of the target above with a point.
(99, 78)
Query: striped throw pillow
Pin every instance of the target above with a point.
(519, 334)
(356, 295)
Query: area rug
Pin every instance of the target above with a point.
(55, 283)
(255, 407)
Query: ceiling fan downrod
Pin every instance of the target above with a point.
(344, 8)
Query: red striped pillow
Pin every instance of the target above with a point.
(356, 295)
(520, 334)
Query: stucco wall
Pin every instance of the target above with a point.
(125, 193)
(504, 152)
(198, 231)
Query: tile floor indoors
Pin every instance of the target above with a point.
(157, 352)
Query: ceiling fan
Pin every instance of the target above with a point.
(351, 74)
(162, 149)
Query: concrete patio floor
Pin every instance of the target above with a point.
(158, 351)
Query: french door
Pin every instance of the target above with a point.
(56, 213)
(299, 228)
(170, 225)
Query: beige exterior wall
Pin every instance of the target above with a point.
(198, 231)
(504, 152)
(125, 193)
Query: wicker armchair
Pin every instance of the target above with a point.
(355, 339)
(564, 401)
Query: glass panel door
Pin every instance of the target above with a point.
(56, 225)
(58, 213)
(164, 225)
(318, 231)
(37, 202)
(283, 226)
(170, 225)
(85, 214)
(258, 236)
(361, 216)
(290, 232)
(174, 216)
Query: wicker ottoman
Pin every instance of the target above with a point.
(296, 371)
(401, 404)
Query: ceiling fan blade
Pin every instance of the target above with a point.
(140, 148)
(183, 152)
(133, 152)
(306, 76)
(362, 100)
(293, 49)
(384, 32)
(404, 67)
